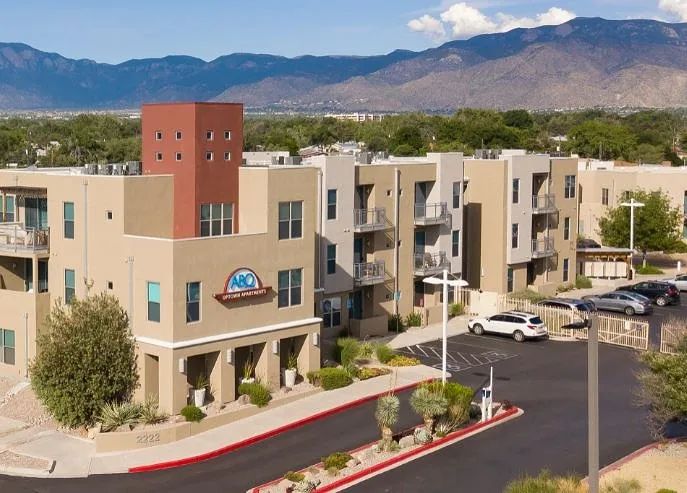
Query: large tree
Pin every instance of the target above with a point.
(86, 358)
(657, 224)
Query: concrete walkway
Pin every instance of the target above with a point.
(420, 335)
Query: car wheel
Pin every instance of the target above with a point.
(629, 311)
(518, 336)
(661, 301)
(478, 329)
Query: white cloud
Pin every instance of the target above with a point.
(464, 21)
(675, 7)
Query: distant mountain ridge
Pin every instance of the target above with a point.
(585, 62)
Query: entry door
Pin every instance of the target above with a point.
(36, 212)
(420, 198)
(356, 311)
(358, 251)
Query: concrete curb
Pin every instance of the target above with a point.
(269, 434)
(29, 472)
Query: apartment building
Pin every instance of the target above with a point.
(521, 221)
(213, 262)
(605, 187)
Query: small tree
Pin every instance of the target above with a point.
(86, 358)
(428, 404)
(386, 415)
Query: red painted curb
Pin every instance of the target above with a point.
(264, 436)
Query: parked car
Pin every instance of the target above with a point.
(680, 282)
(569, 304)
(622, 301)
(660, 292)
(519, 325)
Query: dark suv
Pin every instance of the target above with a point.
(660, 292)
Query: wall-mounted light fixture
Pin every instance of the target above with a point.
(182, 365)
(275, 347)
(230, 356)
(315, 338)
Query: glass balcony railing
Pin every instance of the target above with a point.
(15, 237)
(427, 264)
(543, 204)
(428, 214)
(367, 273)
(369, 219)
(543, 248)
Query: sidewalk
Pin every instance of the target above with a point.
(420, 335)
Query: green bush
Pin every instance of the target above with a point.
(257, 392)
(115, 414)
(648, 270)
(334, 378)
(384, 353)
(527, 294)
(564, 288)
(459, 398)
(545, 483)
(367, 373)
(150, 411)
(582, 282)
(456, 309)
(403, 360)
(295, 477)
(666, 490)
(396, 323)
(414, 319)
(366, 350)
(348, 350)
(313, 377)
(192, 413)
(337, 460)
(86, 358)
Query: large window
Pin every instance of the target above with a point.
(456, 194)
(566, 228)
(509, 280)
(455, 243)
(154, 301)
(604, 196)
(7, 346)
(515, 236)
(566, 269)
(69, 285)
(570, 185)
(290, 220)
(331, 259)
(290, 287)
(331, 312)
(68, 208)
(216, 219)
(516, 190)
(192, 302)
(331, 204)
(9, 208)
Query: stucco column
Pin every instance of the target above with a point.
(227, 378)
(269, 365)
(34, 274)
(173, 396)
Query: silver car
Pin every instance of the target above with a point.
(680, 281)
(622, 301)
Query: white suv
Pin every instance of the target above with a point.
(519, 325)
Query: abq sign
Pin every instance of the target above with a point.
(242, 283)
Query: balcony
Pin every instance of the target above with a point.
(365, 220)
(14, 237)
(368, 273)
(428, 264)
(430, 214)
(544, 204)
(543, 248)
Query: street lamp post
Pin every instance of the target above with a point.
(632, 204)
(593, 404)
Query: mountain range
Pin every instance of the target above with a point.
(586, 62)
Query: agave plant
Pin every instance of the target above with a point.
(386, 415)
(115, 414)
(428, 404)
(150, 411)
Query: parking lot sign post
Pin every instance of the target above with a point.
(593, 404)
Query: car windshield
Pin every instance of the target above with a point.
(583, 307)
(536, 320)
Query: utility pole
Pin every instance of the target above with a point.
(593, 404)
(632, 204)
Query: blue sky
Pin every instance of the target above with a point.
(210, 28)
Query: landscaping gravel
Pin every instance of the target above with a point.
(660, 467)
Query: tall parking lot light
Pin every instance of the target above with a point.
(593, 403)
(632, 204)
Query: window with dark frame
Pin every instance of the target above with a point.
(455, 242)
(456, 194)
(68, 213)
(331, 259)
(331, 312)
(158, 135)
(515, 234)
(509, 280)
(290, 288)
(570, 185)
(566, 228)
(178, 134)
(192, 302)
(566, 269)
(290, 220)
(210, 135)
(7, 346)
(153, 293)
(604, 196)
(331, 204)
(216, 219)
(227, 135)
(516, 190)
(69, 285)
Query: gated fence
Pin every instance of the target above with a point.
(672, 332)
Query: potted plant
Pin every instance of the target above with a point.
(199, 390)
(291, 371)
(248, 369)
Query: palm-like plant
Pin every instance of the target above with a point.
(428, 404)
(386, 415)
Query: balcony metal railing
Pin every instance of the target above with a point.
(544, 204)
(543, 248)
(367, 273)
(428, 214)
(14, 237)
(369, 219)
(426, 264)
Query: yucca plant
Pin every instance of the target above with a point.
(386, 415)
(115, 414)
(150, 411)
(428, 404)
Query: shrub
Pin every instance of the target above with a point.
(456, 309)
(313, 377)
(257, 392)
(115, 414)
(86, 358)
(192, 413)
(421, 436)
(347, 350)
(401, 360)
(396, 323)
(386, 414)
(582, 282)
(337, 460)
(334, 378)
(367, 373)
(648, 269)
(150, 411)
(295, 477)
(428, 404)
(366, 350)
(444, 426)
(545, 483)
(414, 319)
(564, 288)
(621, 485)
(384, 353)
(666, 490)
(458, 400)
(527, 294)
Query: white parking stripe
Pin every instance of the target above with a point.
(435, 352)
(419, 348)
(410, 349)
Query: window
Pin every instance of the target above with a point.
(210, 135)
(516, 190)
(570, 185)
(456, 194)
(109, 215)
(455, 243)
(209, 155)
(69, 285)
(9, 208)
(158, 135)
(290, 220)
(566, 228)
(7, 346)
(604, 196)
(216, 219)
(627, 195)
(566, 269)
(68, 210)
(515, 233)
(110, 285)
(331, 259)
(178, 135)
(158, 156)
(227, 135)
(192, 302)
(331, 204)
(177, 156)
(290, 287)
(227, 156)
(509, 281)
(331, 312)
(154, 301)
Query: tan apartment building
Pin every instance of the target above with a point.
(210, 279)
(520, 220)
